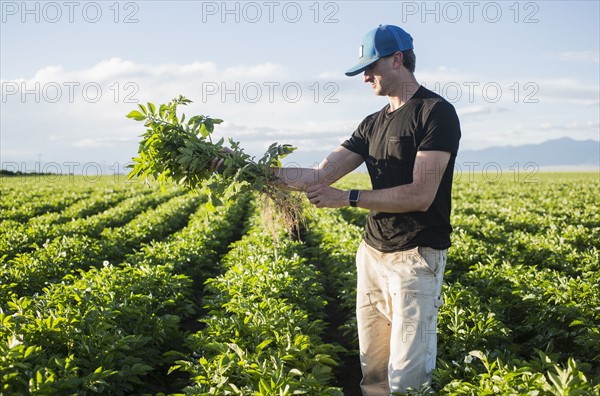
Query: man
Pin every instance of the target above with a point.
(409, 148)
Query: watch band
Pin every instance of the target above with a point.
(353, 197)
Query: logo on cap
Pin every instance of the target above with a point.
(361, 51)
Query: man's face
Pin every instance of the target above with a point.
(380, 76)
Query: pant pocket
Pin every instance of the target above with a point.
(429, 258)
(371, 303)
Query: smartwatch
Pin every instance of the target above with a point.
(353, 197)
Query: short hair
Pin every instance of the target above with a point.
(409, 60)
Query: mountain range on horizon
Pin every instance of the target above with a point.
(564, 152)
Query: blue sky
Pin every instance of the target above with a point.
(517, 72)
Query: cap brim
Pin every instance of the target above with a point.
(360, 67)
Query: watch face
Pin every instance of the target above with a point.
(353, 197)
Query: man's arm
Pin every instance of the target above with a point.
(417, 196)
(337, 164)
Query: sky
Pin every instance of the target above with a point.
(517, 72)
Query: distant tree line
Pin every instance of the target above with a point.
(6, 172)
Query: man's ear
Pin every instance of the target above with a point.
(398, 59)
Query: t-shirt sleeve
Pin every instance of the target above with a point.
(358, 143)
(355, 143)
(442, 129)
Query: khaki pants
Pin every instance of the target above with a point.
(398, 296)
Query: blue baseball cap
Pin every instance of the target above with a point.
(379, 42)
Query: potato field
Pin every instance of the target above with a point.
(113, 287)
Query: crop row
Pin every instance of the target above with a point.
(28, 272)
(109, 304)
(21, 205)
(551, 224)
(521, 311)
(102, 209)
(263, 333)
(111, 329)
(27, 197)
(331, 244)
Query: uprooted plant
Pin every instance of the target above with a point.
(173, 150)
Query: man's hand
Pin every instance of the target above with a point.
(324, 196)
(216, 162)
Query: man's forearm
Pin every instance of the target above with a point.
(400, 199)
(301, 178)
(413, 197)
(338, 163)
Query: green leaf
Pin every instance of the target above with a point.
(262, 345)
(161, 110)
(204, 132)
(140, 369)
(209, 206)
(136, 115)
(295, 371)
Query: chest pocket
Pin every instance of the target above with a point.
(401, 149)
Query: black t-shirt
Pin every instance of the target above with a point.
(389, 142)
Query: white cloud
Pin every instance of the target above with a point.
(441, 75)
(310, 136)
(568, 90)
(580, 56)
(116, 69)
(330, 75)
(470, 90)
(268, 71)
(257, 109)
(478, 110)
(47, 74)
(101, 142)
(577, 126)
(83, 111)
(109, 69)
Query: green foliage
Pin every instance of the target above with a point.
(102, 284)
(261, 334)
(506, 375)
(98, 332)
(172, 150)
(522, 278)
(110, 329)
